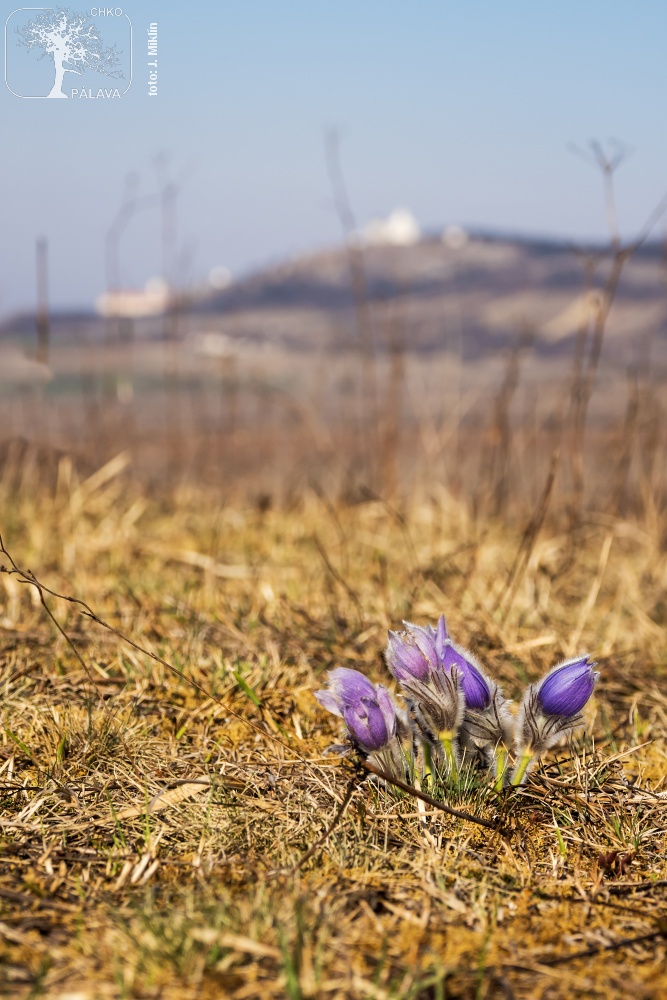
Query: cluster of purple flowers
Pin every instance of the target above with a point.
(454, 711)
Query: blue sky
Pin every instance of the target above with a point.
(460, 111)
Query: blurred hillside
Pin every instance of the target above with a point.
(376, 366)
(470, 298)
(473, 297)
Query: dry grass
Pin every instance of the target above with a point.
(150, 834)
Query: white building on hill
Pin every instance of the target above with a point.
(152, 300)
(399, 229)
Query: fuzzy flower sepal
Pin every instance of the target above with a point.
(487, 725)
(436, 708)
(487, 734)
(396, 759)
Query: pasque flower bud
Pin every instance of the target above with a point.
(566, 689)
(366, 708)
(486, 729)
(551, 708)
(412, 654)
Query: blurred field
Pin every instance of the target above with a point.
(249, 521)
(109, 891)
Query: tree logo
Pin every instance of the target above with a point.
(62, 53)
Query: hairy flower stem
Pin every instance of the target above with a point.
(450, 755)
(521, 769)
(428, 763)
(501, 769)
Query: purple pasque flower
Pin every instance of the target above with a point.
(487, 724)
(346, 686)
(366, 708)
(551, 708)
(566, 689)
(412, 654)
(477, 689)
(431, 687)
